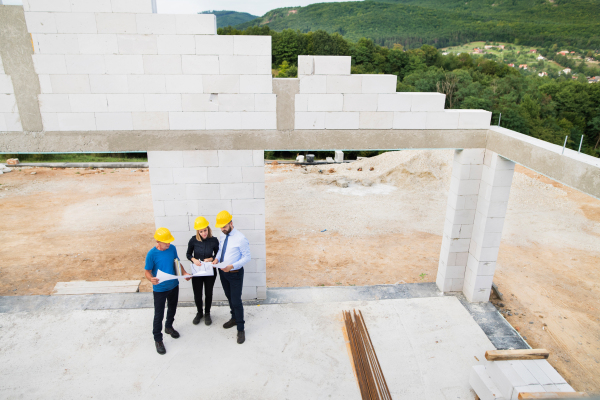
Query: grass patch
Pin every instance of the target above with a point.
(76, 158)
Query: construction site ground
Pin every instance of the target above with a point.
(330, 226)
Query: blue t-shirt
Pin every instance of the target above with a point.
(163, 260)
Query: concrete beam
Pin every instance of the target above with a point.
(16, 50)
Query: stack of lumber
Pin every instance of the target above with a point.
(511, 374)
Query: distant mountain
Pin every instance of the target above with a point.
(227, 18)
(447, 22)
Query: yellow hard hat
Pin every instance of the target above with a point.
(200, 223)
(223, 218)
(163, 235)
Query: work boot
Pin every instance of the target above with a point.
(229, 324)
(241, 337)
(207, 319)
(160, 348)
(170, 331)
(197, 319)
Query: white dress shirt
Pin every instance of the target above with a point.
(237, 252)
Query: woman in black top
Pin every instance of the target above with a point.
(203, 247)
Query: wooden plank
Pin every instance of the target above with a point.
(84, 287)
(552, 395)
(504, 355)
(93, 284)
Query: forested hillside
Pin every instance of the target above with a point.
(448, 22)
(548, 109)
(227, 18)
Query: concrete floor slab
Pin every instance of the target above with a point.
(426, 347)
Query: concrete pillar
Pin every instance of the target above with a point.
(492, 203)
(187, 184)
(477, 203)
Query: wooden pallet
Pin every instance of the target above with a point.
(85, 287)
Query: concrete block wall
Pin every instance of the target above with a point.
(113, 65)
(188, 184)
(330, 97)
(477, 204)
(9, 112)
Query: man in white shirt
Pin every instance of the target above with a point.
(234, 252)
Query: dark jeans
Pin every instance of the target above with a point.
(160, 298)
(208, 282)
(232, 286)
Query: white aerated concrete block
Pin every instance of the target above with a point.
(162, 102)
(221, 83)
(259, 191)
(258, 158)
(224, 120)
(376, 120)
(50, 121)
(146, 84)
(198, 102)
(203, 191)
(265, 102)
(174, 223)
(158, 206)
(131, 6)
(360, 102)
(114, 121)
(246, 45)
(474, 119)
(442, 120)
(184, 83)
(40, 22)
(125, 102)
(342, 120)
(179, 208)
(394, 102)
(187, 120)
(150, 120)
(200, 65)
(256, 84)
(176, 44)
(253, 174)
(309, 120)
(301, 102)
(410, 120)
(49, 64)
(49, 43)
(75, 22)
(50, 103)
(428, 101)
(306, 65)
(225, 175)
(90, 6)
(190, 175)
(88, 103)
(108, 84)
(483, 385)
(259, 120)
(214, 44)
(470, 156)
(76, 121)
(85, 64)
(237, 191)
(196, 24)
(325, 102)
(98, 43)
(200, 158)
(70, 83)
(124, 64)
(137, 44)
(244, 65)
(332, 65)
(236, 102)
(161, 176)
(313, 84)
(249, 207)
(46, 5)
(344, 83)
(165, 159)
(156, 24)
(379, 83)
(162, 64)
(115, 23)
(213, 207)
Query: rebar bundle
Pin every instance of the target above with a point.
(370, 377)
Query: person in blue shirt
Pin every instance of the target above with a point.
(234, 252)
(162, 257)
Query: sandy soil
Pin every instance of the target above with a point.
(384, 227)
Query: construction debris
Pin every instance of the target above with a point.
(370, 377)
(12, 161)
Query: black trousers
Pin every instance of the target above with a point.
(232, 286)
(208, 282)
(170, 297)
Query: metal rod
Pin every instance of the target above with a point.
(565, 145)
(499, 118)
(376, 358)
(580, 143)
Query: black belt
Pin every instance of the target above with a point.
(235, 270)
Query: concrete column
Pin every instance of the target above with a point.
(460, 216)
(492, 203)
(187, 184)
